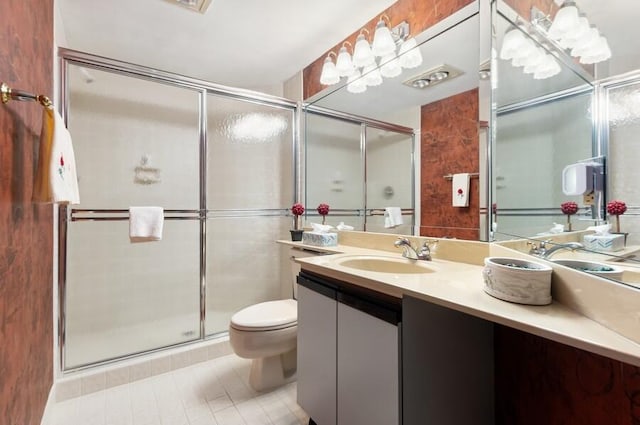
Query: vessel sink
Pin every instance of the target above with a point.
(592, 267)
(372, 263)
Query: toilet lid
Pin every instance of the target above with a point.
(267, 315)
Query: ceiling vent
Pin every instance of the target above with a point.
(195, 5)
(433, 76)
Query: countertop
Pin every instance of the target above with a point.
(459, 286)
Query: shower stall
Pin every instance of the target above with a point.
(220, 161)
(225, 165)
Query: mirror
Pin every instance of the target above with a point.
(584, 114)
(397, 102)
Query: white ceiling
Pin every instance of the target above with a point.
(241, 43)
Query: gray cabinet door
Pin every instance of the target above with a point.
(317, 355)
(368, 388)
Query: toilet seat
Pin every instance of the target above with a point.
(266, 316)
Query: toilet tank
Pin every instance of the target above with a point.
(295, 268)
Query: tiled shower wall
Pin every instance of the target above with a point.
(449, 145)
(26, 299)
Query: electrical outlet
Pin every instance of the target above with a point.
(588, 198)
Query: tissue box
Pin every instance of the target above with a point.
(320, 239)
(604, 243)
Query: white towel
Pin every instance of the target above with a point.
(460, 190)
(56, 176)
(392, 217)
(145, 224)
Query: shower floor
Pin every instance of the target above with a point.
(84, 348)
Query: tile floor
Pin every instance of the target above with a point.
(215, 392)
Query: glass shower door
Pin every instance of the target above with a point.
(250, 189)
(390, 176)
(334, 170)
(135, 146)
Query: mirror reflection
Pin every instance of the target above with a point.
(564, 146)
(437, 99)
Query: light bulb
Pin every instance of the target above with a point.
(329, 73)
(355, 84)
(565, 21)
(383, 43)
(344, 64)
(599, 52)
(409, 54)
(535, 61)
(571, 38)
(371, 75)
(390, 67)
(362, 55)
(512, 41)
(585, 43)
(548, 69)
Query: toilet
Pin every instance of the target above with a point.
(267, 334)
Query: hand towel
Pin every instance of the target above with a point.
(460, 190)
(392, 217)
(56, 176)
(145, 224)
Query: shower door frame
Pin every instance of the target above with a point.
(203, 89)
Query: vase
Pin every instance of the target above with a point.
(296, 235)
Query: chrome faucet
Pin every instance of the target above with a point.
(544, 252)
(408, 251)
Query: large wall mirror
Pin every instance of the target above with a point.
(550, 127)
(392, 109)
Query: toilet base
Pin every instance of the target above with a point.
(274, 371)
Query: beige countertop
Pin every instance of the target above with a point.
(459, 286)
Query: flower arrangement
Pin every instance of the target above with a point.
(323, 210)
(569, 208)
(616, 208)
(297, 210)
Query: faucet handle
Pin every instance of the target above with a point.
(534, 248)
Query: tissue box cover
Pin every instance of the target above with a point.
(320, 239)
(604, 243)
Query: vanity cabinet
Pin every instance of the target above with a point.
(447, 363)
(348, 353)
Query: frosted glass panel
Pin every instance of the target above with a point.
(243, 265)
(335, 170)
(533, 146)
(136, 142)
(389, 169)
(624, 156)
(124, 298)
(250, 162)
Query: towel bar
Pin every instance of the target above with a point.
(472, 175)
(9, 94)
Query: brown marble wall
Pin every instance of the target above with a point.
(523, 7)
(543, 382)
(419, 14)
(26, 328)
(449, 144)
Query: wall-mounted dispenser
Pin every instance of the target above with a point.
(581, 178)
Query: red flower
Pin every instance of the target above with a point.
(323, 209)
(616, 207)
(460, 191)
(297, 209)
(569, 208)
(61, 161)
